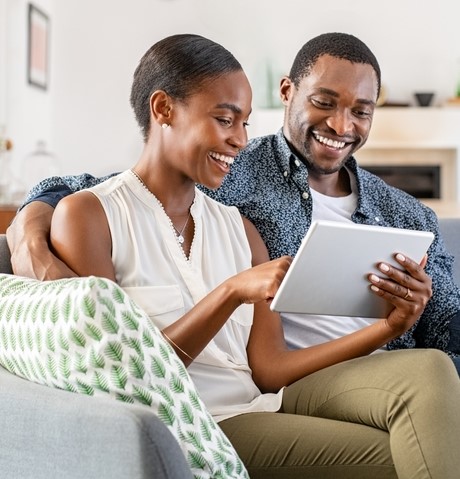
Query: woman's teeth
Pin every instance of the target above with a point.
(225, 159)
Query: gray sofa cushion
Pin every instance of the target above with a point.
(5, 265)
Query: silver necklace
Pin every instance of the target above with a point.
(179, 234)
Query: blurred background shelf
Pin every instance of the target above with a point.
(7, 213)
(408, 141)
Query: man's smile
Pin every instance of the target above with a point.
(335, 144)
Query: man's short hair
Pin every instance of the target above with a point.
(339, 45)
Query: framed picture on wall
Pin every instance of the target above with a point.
(38, 48)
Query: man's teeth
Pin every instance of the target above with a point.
(226, 159)
(329, 142)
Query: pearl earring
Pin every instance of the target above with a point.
(164, 126)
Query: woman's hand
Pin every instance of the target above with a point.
(199, 325)
(408, 290)
(261, 282)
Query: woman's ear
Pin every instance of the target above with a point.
(160, 107)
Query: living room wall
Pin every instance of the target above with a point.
(85, 116)
(25, 111)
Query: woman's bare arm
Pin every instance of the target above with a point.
(80, 235)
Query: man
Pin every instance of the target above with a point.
(282, 182)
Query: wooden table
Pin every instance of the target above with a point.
(7, 213)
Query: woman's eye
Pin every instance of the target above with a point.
(224, 121)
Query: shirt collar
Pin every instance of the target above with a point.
(285, 157)
(283, 153)
(366, 210)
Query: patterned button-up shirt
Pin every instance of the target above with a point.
(269, 185)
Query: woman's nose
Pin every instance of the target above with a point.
(239, 139)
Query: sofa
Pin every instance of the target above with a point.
(50, 433)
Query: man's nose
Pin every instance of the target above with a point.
(341, 121)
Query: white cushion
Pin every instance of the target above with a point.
(87, 336)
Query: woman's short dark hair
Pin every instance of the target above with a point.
(339, 45)
(180, 65)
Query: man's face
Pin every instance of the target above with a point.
(329, 116)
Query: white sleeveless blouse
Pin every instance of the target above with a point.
(152, 268)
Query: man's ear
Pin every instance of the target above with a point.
(286, 87)
(160, 107)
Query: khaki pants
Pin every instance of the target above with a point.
(390, 415)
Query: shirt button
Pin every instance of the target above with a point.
(297, 162)
(305, 195)
(285, 173)
(377, 219)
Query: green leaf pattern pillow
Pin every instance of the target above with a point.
(87, 336)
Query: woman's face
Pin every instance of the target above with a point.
(209, 129)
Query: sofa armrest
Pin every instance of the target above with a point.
(450, 231)
(46, 433)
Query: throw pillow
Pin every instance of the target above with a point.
(87, 336)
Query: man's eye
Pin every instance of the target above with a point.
(363, 113)
(321, 103)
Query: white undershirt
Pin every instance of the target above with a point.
(304, 330)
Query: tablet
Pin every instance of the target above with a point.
(328, 275)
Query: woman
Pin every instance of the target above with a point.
(202, 274)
